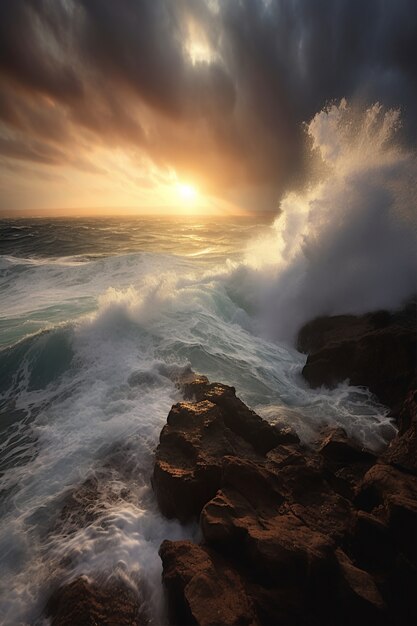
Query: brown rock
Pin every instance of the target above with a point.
(371, 544)
(338, 450)
(408, 412)
(346, 461)
(279, 547)
(195, 442)
(402, 451)
(193, 386)
(203, 589)
(360, 598)
(393, 494)
(84, 602)
(377, 351)
(293, 536)
(189, 458)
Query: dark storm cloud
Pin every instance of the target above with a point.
(30, 151)
(24, 55)
(121, 71)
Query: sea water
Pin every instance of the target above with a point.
(96, 315)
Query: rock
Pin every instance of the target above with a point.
(245, 422)
(88, 603)
(346, 461)
(338, 450)
(402, 451)
(281, 547)
(408, 412)
(294, 536)
(377, 351)
(392, 494)
(192, 386)
(203, 590)
(194, 443)
(322, 331)
(359, 596)
(371, 544)
(189, 458)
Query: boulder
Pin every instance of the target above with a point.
(392, 496)
(85, 602)
(195, 441)
(377, 351)
(203, 589)
(290, 535)
(359, 594)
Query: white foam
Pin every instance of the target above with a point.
(348, 243)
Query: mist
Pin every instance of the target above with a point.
(347, 244)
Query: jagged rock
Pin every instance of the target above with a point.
(402, 451)
(358, 593)
(371, 543)
(345, 460)
(192, 386)
(377, 351)
(84, 602)
(294, 536)
(203, 589)
(338, 450)
(280, 547)
(194, 443)
(392, 494)
(408, 412)
(189, 458)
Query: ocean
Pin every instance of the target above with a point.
(97, 314)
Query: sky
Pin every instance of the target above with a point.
(185, 105)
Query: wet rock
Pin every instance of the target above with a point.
(392, 496)
(359, 594)
(203, 589)
(408, 413)
(339, 451)
(402, 451)
(192, 386)
(277, 547)
(189, 458)
(371, 544)
(84, 602)
(345, 460)
(294, 536)
(194, 443)
(377, 351)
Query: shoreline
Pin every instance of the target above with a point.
(290, 534)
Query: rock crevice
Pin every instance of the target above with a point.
(291, 535)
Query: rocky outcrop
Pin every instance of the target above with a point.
(402, 451)
(198, 437)
(86, 603)
(290, 535)
(378, 351)
(203, 588)
(114, 594)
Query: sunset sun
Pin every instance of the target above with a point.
(188, 193)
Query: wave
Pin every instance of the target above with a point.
(93, 380)
(347, 243)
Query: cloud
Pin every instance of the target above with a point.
(76, 74)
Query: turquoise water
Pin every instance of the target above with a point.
(95, 316)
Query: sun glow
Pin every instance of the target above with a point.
(188, 193)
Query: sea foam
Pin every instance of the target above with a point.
(347, 243)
